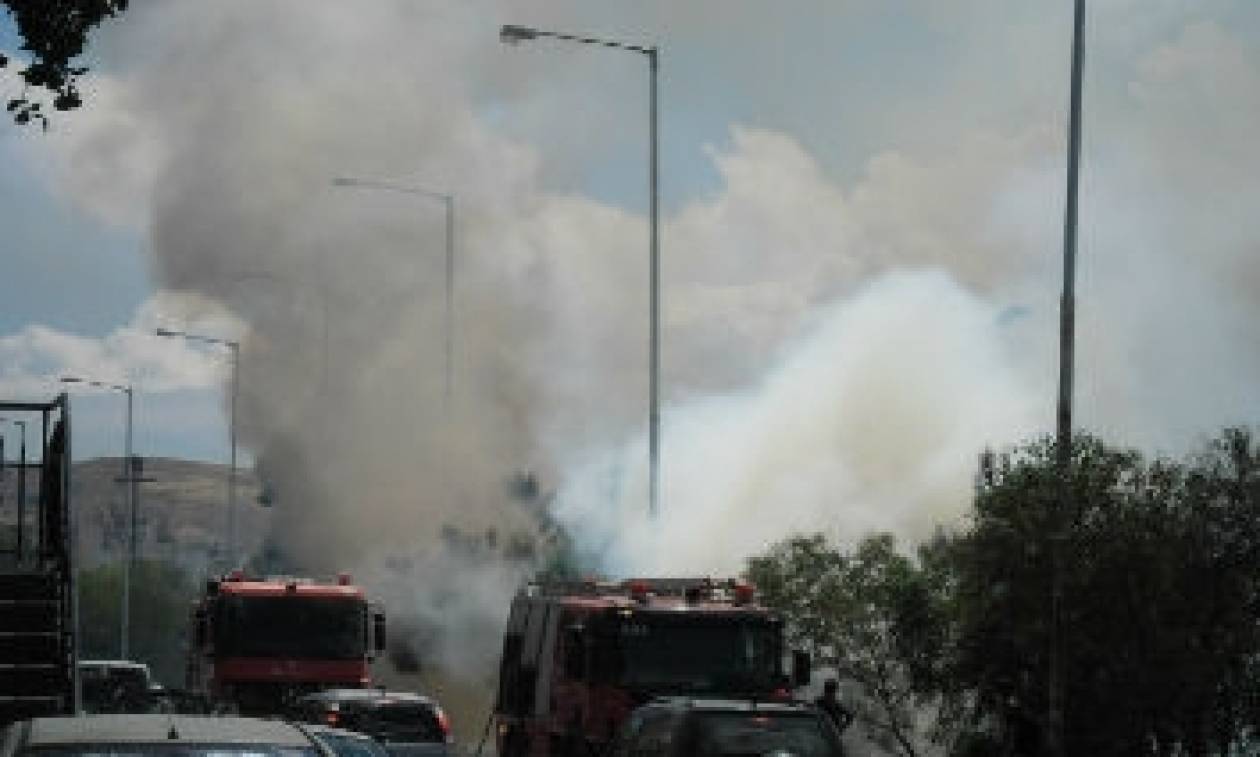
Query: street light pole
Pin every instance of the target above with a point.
(129, 480)
(131, 542)
(1063, 441)
(512, 34)
(450, 289)
(654, 338)
(2, 468)
(234, 350)
(448, 201)
(21, 488)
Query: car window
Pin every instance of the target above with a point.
(349, 746)
(398, 721)
(734, 734)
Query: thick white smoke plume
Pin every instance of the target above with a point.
(864, 426)
(844, 331)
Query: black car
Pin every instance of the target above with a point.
(402, 722)
(683, 727)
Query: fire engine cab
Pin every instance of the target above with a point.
(259, 643)
(579, 656)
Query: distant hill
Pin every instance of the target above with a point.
(182, 514)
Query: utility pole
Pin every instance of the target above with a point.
(1063, 441)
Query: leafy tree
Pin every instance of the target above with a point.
(1159, 566)
(868, 612)
(1160, 569)
(161, 594)
(54, 33)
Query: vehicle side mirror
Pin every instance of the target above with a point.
(378, 631)
(800, 668)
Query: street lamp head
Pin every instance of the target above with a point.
(71, 380)
(511, 34)
(166, 332)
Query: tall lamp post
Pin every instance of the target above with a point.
(2, 420)
(21, 488)
(129, 480)
(512, 34)
(1063, 440)
(234, 349)
(448, 200)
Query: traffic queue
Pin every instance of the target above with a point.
(664, 667)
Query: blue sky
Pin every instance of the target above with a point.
(856, 87)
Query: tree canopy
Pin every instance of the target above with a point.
(852, 611)
(1161, 577)
(161, 593)
(54, 33)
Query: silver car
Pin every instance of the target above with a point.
(346, 743)
(148, 735)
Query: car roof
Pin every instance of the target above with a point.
(145, 729)
(367, 695)
(327, 730)
(732, 705)
(113, 664)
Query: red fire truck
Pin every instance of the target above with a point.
(578, 657)
(257, 644)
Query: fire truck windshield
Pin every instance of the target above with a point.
(698, 655)
(291, 627)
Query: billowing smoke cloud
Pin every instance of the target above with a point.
(837, 350)
(863, 427)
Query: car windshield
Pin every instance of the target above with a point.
(718, 655)
(394, 721)
(735, 734)
(113, 689)
(351, 746)
(168, 750)
(292, 627)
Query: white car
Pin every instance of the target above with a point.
(151, 735)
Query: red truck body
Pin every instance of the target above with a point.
(578, 657)
(260, 643)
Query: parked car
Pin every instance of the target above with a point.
(406, 724)
(346, 743)
(185, 736)
(683, 727)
